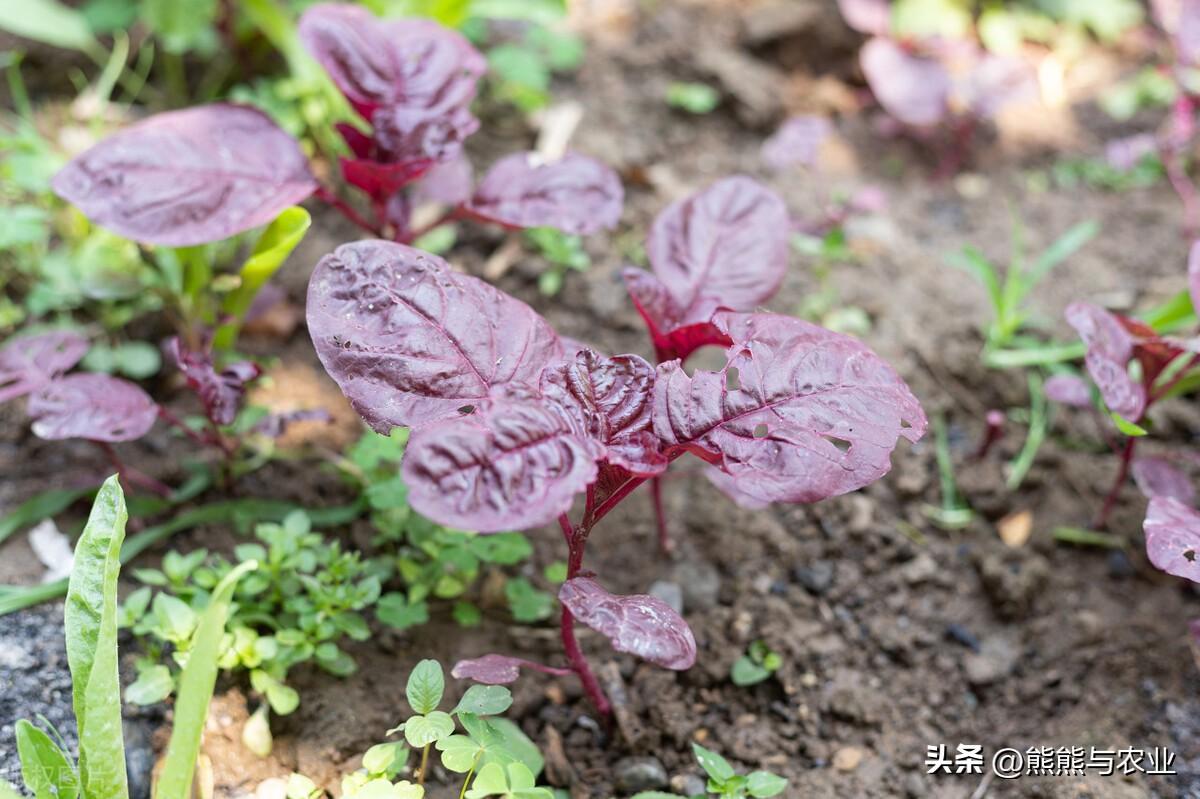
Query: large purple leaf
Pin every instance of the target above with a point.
(220, 392)
(676, 332)
(1109, 350)
(404, 135)
(610, 400)
(729, 241)
(798, 414)
(1158, 477)
(29, 362)
(408, 340)
(189, 177)
(640, 624)
(1173, 537)
(92, 406)
(914, 89)
(798, 141)
(867, 16)
(510, 464)
(410, 63)
(575, 194)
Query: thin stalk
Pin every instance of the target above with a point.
(665, 544)
(328, 196)
(132, 475)
(576, 542)
(1115, 491)
(466, 781)
(175, 422)
(424, 765)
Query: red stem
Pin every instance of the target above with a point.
(132, 475)
(453, 214)
(665, 544)
(1118, 484)
(174, 421)
(576, 542)
(324, 194)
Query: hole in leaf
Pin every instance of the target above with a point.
(466, 409)
(1190, 556)
(842, 444)
(732, 379)
(760, 430)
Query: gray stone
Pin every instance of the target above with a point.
(668, 592)
(997, 657)
(701, 584)
(635, 774)
(816, 577)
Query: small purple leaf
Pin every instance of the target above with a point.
(488, 669)
(729, 241)
(867, 16)
(1173, 537)
(189, 177)
(1068, 390)
(276, 424)
(29, 362)
(220, 392)
(93, 406)
(641, 625)
(1158, 477)
(798, 414)
(676, 332)
(912, 88)
(409, 341)
(798, 141)
(509, 464)
(609, 400)
(1109, 350)
(575, 194)
(409, 63)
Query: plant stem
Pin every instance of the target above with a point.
(424, 764)
(1115, 491)
(466, 782)
(454, 213)
(665, 545)
(174, 421)
(132, 475)
(326, 195)
(576, 542)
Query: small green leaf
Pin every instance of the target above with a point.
(459, 753)
(695, 98)
(48, 22)
(485, 700)
(301, 787)
(1127, 427)
(745, 672)
(282, 698)
(153, 685)
(175, 617)
(423, 730)
(395, 611)
(527, 603)
(467, 615)
(47, 771)
(763, 784)
(713, 764)
(425, 686)
(387, 758)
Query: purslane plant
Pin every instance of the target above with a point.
(510, 423)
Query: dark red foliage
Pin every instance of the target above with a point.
(29, 362)
(575, 194)
(220, 392)
(639, 624)
(96, 407)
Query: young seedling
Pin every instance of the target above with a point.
(510, 423)
(757, 665)
(725, 782)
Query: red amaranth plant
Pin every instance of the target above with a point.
(511, 423)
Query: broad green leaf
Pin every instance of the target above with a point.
(196, 690)
(490, 780)
(514, 782)
(425, 686)
(423, 730)
(713, 764)
(274, 246)
(514, 744)
(764, 784)
(91, 633)
(485, 700)
(459, 753)
(47, 771)
(386, 758)
(152, 685)
(48, 22)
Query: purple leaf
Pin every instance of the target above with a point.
(276, 424)
(798, 414)
(29, 362)
(728, 486)
(509, 464)
(914, 89)
(448, 183)
(1125, 153)
(1158, 477)
(1069, 390)
(404, 135)
(640, 624)
(798, 141)
(676, 332)
(189, 177)
(488, 669)
(575, 194)
(92, 406)
(996, 81)
(1193, 275)
(1173, 537)
(220, 392)
(729, 241)
(1109, 350)
(409, 341)
(867, 16)
(409, 63)
(609, 400)
(379, 179)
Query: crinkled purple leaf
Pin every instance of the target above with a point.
(867, 16)
(676, 332)
(421, 136)
(912, 88)
(729, 242)
(1068, 390)
(29, 362)
(408, 340)
(798, 413)
(1193, 275)
(1127, 152)
(640, 624)
(798, 141)
(1173, 537)
(410, 63)
(1109, 350)
(189, 177)
(448, 183)
(220, 392)
(1158, 477)
(93, 406)
(996, 81)
(575, 194)
(488, 669)
(509, 464)
(609, 400)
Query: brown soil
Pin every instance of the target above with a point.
(895, 635)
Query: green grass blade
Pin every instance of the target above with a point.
(1039, 423)
(196, 690)
(91, 632)
(972, 261)
(1034, 356)
(1067, 245)
(38, 507)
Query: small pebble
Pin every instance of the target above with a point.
(816, 577)
(956, 632)
(633, 774)
(847, 758)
